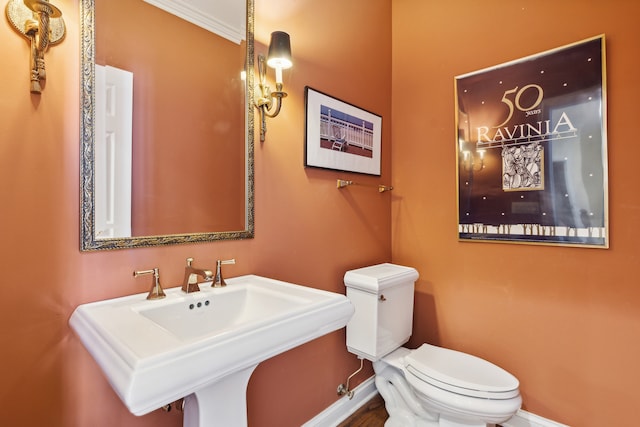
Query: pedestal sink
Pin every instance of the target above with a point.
(205, 345)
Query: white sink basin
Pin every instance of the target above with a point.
(155, 352)
(189, 318)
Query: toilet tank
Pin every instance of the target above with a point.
(383, 299)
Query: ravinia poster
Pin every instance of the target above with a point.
(532, 149)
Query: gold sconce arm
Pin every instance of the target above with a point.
(265, 99)
(41, 23)
(269, 103)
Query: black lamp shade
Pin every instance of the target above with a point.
(279, 50)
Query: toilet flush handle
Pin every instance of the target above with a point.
(382, 298)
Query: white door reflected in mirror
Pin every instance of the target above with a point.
(114, 126)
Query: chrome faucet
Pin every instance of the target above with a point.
(190, 282)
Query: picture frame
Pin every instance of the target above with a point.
(341, 136)
(531, 146)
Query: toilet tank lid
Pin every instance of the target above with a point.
(379, 277)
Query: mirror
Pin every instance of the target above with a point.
(190, 181)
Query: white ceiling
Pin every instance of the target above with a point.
(223, 17)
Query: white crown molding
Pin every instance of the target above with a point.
(233, 31)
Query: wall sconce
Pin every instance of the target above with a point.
(269, 103)
(469, 160)
(42, 24)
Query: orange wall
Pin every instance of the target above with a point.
(307, 231)
(565, 321)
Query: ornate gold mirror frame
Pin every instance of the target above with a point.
(89, 242)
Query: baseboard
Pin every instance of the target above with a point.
(527, 419)
(344, 407)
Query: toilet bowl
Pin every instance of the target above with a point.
(463, 390)
(429, 386)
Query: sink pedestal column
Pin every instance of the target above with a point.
(223, 403)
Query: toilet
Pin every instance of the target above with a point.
(429, 386)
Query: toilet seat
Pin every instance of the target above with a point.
(459, 373)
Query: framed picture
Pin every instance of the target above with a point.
(532, 149)
(341, 136)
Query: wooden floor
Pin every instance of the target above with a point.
(371, 414)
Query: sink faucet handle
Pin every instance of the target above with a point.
(156, 291)
(218, 281)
